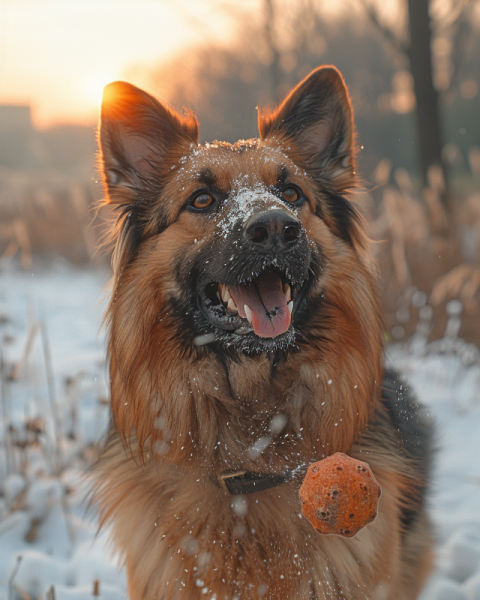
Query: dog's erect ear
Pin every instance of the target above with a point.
(317, 118)
(139, 139)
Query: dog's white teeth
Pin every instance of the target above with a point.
(248, 313)
(231, 304)
(202, 340)
(290, 306)
(225, 293)
(287, 290)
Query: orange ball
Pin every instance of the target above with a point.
(339, 495)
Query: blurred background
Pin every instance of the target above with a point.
(412, 68)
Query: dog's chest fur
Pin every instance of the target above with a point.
(188, 534)
(245, 334)
(191, 536)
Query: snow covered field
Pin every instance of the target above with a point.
(53, 350)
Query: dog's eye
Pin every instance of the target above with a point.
(290, 194)
(203, 200)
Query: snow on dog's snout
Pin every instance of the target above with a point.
(265, 301)
(244, 202)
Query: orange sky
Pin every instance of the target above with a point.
(58, 54)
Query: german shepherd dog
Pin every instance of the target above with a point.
(244, 343)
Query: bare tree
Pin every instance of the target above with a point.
(429, 125)
(276, 76)
(278, 22)
(416, 46)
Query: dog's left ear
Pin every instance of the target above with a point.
(139, 140)
(316, 122)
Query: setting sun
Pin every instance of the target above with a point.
(93, 87)
(62, 54)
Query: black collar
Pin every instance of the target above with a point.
(248, 482)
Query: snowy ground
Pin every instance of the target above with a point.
(42, 490)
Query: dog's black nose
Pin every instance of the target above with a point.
(273, 230)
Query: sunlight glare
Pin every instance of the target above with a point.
(93, 88)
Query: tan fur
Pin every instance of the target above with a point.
(182, 416)
(198, 537)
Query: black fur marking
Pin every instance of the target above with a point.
(207, 178)
(343, 214)
(134, 218)
(339, 208)
(133, 225)
(208, 267)
(281, 184)
(414, 430)
(282, 177)
(225, 353)
(277, 357)
(185, 321)
(407, 418)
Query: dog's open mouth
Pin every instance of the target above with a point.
(263, 305)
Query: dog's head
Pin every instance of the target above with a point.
(240, 223)
(237, 250)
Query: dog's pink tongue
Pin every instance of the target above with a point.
(265, 298)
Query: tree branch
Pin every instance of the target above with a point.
(389, 35)
(459, 40)
(270, 13)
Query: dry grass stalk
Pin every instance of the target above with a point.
(438, 218)
(422, 248)
(11, 578)
(68, 521)
(402, 272)
(46, 213)
(22, 593)
(474, 159)
(381, 175)
(6, 416)
(19, 366)
(463, 282)
(32, 533)
(50, 594)
(10, 250)
(19, 240)
(23, 239)
(52, 398)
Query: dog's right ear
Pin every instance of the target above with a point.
(139, 139)
(316, 117)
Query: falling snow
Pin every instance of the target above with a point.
(66, 552)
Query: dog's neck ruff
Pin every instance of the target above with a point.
(247, 482)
